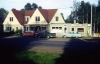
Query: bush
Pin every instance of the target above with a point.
(18, 33)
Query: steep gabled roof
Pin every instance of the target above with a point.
(19, 15)
(51, 13)
(48, 13)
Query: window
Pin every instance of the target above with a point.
(16, 28)
(8, 28)
(43, 28)
(53, 27)
(60, 28)
(72, 29)
(80, 29)
(27, 19)
(56, 27)
(56, 18)
(27, 29)
(24, 28)
(65, 30)
(37, 18)
(11, 18)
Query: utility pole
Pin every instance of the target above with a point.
(91, 21)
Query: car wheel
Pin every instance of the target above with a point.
(64, 36)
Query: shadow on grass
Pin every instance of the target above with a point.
(9, 47)
(80, 52)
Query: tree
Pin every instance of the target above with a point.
(28, 6)
(40, 7)
(3, 14)
(34, 6)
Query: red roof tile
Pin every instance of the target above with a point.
(29, 13)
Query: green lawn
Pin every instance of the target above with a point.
(37, 57)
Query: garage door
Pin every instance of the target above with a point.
(57, 30)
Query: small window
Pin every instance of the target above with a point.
(27, 19)
(56, 27)
(53, 27)
(65, 28)
(16, 28)
(80, 29)
(27, 29)
(72, 29)
(60, 28)
(8, 28)
(38, 18)
(12, 18)
(56, 18)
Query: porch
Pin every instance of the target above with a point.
(35, 28)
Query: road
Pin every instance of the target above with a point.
(54, 45)
(73, 50)
(37, 44)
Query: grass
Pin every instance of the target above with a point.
(38, 57)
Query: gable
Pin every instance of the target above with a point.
(37, 13)
(7, 19)
(60, 19)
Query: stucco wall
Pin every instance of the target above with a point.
(60, 19)
(7, 23)
(37, 14)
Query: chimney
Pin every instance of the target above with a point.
(74, 21)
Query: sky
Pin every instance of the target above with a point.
(64, 6)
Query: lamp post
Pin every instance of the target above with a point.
(91, 21)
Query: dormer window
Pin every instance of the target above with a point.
(57, 18)
(27, 18)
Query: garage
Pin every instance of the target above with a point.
(57, 30)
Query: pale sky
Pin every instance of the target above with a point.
(62, 5)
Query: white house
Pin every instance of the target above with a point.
(41, 19)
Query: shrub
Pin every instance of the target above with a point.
(18, 33)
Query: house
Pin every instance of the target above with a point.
(37, 20)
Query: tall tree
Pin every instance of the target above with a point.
(28, 6)
(40, 7)
(34, 6)
(3, 14)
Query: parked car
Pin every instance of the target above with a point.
(45, 33)
(71, 34)
(28, 33)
